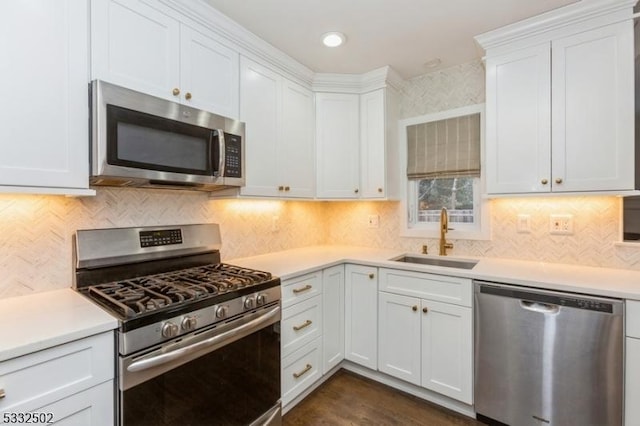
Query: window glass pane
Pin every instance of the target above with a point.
(456, 194)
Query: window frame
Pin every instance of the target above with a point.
(409, 226)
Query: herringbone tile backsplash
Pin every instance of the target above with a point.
(36, 231)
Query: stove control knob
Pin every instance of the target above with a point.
(169, 329)
(221, 312)
(261, 299)
(249, 302)
(189, 323)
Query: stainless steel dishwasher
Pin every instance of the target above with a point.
(547, 358)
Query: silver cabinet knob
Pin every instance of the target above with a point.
(559, 180)
(169, 329)
(176, 92)
(544, 181)
(187, 96)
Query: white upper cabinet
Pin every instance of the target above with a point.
(137, 46)
(593, 110)
(45, 67)
(209, 73)
(372, 144)
(279, 133)
(260, 98)
(357, 153)
(338, 145)
(518, 121)
(560, 102)
(296, 148)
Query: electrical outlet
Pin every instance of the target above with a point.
(373, 221)
(561, 224)
(524, 224)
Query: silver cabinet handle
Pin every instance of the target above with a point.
(300, 290)
(302, 373)
(307, 323)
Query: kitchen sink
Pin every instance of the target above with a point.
(435, 261)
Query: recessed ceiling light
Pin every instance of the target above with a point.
(333, 39)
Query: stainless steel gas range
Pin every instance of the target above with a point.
(198, 341)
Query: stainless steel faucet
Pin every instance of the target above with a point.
(444, 227)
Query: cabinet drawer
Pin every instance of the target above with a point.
(301, 288)
(40, 378)
(441, 288)
(301, 323)
(300, 370)
(90, 407)
(633, 318)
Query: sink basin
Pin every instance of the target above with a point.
(435, 261)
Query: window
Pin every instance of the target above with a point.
(442, 154)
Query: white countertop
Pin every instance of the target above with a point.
(35, 322)
(620, 283)
(43, 320)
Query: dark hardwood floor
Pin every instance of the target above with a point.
(350, 399)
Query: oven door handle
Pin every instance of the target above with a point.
(154, 361)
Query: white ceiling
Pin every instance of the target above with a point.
(402, 33)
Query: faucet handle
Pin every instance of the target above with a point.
(425, 249)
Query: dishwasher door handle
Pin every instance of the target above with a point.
(543, 308)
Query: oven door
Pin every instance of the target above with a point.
(225, 375)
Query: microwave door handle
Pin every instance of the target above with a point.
(222, 151)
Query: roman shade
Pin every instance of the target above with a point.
(444, 149)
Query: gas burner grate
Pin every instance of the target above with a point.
(141, 295)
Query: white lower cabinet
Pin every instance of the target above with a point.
(361, 315)
(427, 342)
(399, 334)
(632, 367)
(73, 382)
(332, 317)
(447, 349)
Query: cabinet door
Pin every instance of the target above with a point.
(332, 317)
(632, 382)
(361, 315)
(372, 144)
(296, 147)
(45, 67)
(259, 109)
(136, 46)
(593, 104)
(518, 122)
(209, 73)
(447, 350)
(399, 336)
(337, 139)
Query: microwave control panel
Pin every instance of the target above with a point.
(233, 155)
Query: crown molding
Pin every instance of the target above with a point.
(357, 83)
(545, 26)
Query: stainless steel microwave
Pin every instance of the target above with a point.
(139, 140)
